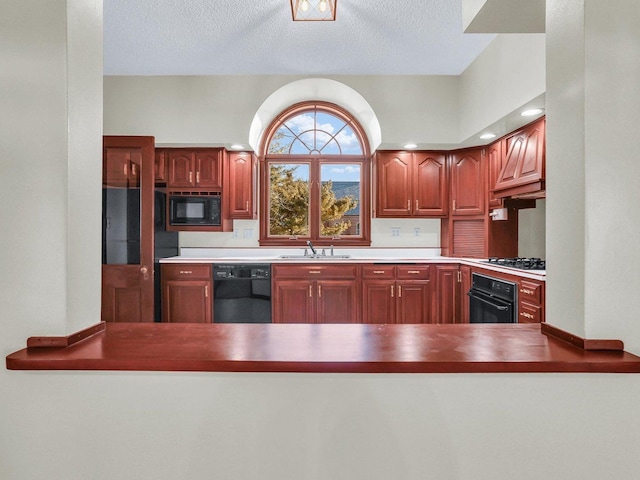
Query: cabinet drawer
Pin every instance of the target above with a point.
(413, 272)
(315, 271)
(379, 271)
(528, 313)
(530, 291)
(186, 271)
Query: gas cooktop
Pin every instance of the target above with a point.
(518, 262)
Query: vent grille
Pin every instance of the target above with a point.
(468, 238)
(194, 194)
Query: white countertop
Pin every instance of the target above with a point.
(357, 255)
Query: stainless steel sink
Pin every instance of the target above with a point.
(314, 257)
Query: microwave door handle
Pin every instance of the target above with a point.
(502, 308)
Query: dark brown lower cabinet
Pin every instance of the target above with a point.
(187, 293)
(315, 294)
(396, 294)
(452, 284)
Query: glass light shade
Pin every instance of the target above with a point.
(313, 10)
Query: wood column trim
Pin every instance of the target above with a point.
(62, 342)
(584, 343)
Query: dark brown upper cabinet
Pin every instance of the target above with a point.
(411, 184)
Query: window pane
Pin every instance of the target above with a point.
(289, 199)
(281, 141)
(341, 199)
(349, 142)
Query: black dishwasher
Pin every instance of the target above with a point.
(241, 293)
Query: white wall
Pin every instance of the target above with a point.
(219, 109)
(532, 231)
(143, 425)
(509, 73)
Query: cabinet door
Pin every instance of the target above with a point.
(413, 302)
(467, 182)
(119, 168)
(393, 184)
(187, 301)
(495, 157)
(430, 185)
(336, 301)
(378, 301)
(208, 168)
(293, 301)
(160, 167)
(446, 298)
(181, 165)
(240, 194)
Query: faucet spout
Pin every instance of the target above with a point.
(310, 245)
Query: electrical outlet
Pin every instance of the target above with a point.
(395, 231)
(248, 232)
(416, 231)
(236, 233)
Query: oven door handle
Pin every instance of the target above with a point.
(502, 308)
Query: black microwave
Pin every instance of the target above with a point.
(194, 210)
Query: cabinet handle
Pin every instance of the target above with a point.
(454, 205)
(526, 291)
(206, 291)
(399, 291)
(190, 177)
(378, 272)
(409, 205)
(197, 177)
(391, 291)
(526, 315)
(185, 272)
(247, 207)
(310, 292)
(414, 272)
(315, 272)
(459, 276)
(133, 169)
(319, 291)
(124, 169)
(416, 205)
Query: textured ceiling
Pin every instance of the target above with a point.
(258, 37)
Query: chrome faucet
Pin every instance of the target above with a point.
(310, 245)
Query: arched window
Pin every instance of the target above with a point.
(315, 178)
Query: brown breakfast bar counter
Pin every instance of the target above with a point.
(328, 348)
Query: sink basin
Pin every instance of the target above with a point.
(314, 257)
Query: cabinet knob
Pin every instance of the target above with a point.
(145, 272)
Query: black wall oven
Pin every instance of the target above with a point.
(492, 300)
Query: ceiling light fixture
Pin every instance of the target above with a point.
(487, 136)
(410, 146)
(313, 10)
(531, 112)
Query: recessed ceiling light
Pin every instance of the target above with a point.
(237, 146)
(487, 136)
(531, 112)
(410, 145)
